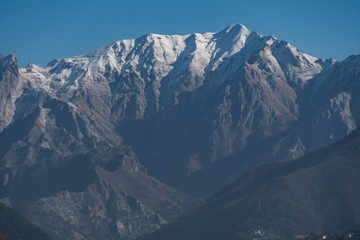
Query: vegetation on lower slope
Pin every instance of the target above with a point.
(317, 193)
(348, 234)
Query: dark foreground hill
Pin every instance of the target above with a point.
(316, 193)
(15, 227)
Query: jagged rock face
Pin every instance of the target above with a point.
(106, 193)
(9, 88)
(335, 97)
(113, 203)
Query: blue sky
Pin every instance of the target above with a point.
(40, 31)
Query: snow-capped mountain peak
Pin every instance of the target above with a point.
(166, 66)
(198, 110)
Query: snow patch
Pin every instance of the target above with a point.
(298, 150)
(194, 164)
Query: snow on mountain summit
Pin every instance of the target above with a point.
(155, 69)
(153, 57)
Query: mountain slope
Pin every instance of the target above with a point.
(316, 193)
(54, 174)
(114, 203)
(105, 193)
(15, 227)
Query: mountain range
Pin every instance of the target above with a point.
(109, 139)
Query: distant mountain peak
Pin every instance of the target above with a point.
(236, 27)
(235, 32)
(9, 59)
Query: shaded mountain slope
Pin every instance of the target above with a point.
(316, 193)
(105, 193)
(15, 227)
(88, 198)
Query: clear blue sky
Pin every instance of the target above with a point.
(38, 31)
